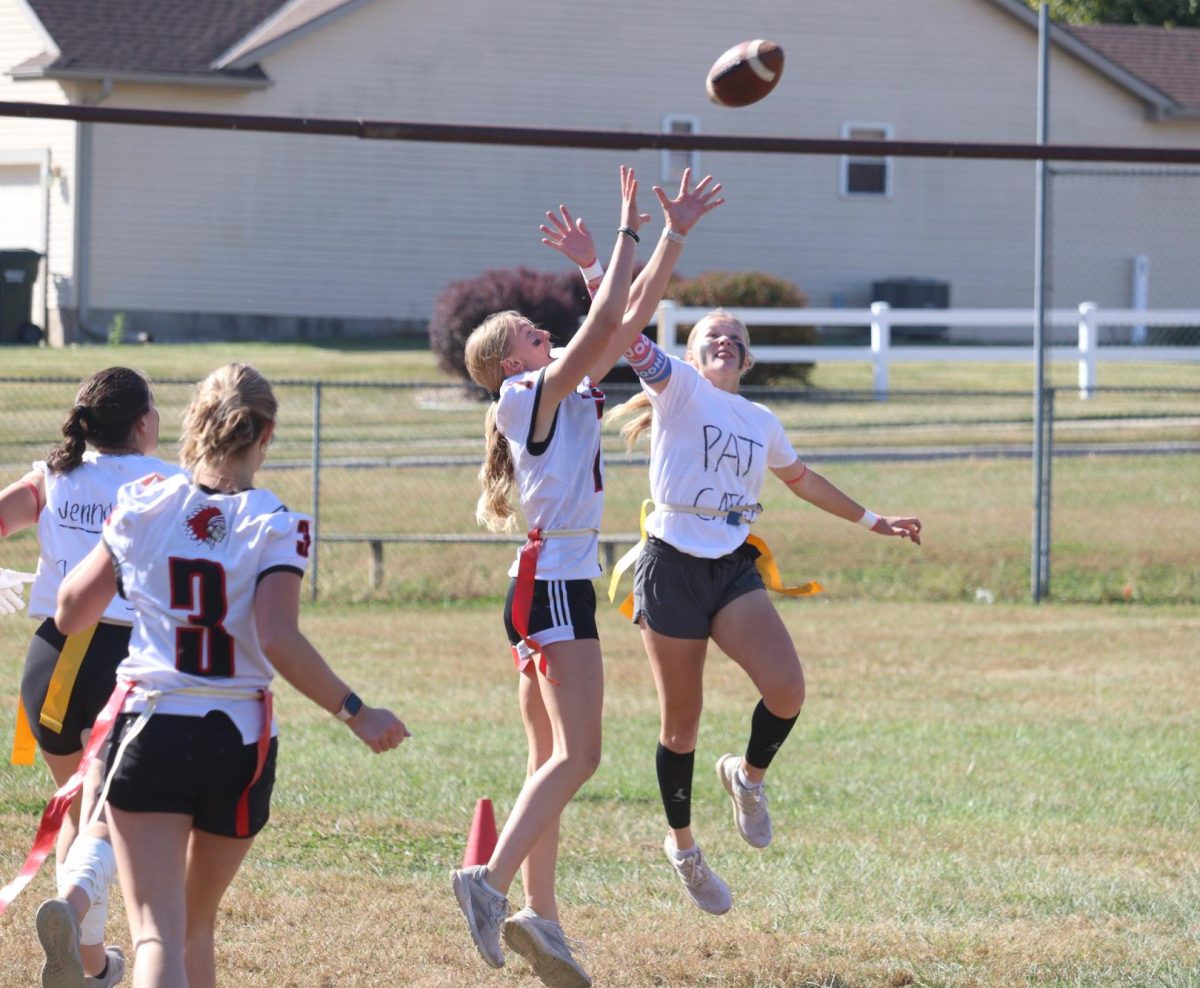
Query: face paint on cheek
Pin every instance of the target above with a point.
(742, 356)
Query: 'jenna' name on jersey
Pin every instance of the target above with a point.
(95, 514)
(738, 449)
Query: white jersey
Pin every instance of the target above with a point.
(78, 504)
(561, 478)
(708, 447)
(189, 562)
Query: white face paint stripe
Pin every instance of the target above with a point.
(756, 65)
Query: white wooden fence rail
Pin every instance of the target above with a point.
(881, 353)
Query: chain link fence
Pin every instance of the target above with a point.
(389, 472)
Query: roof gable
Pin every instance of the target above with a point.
(1111, 50)
(134, 38)
(1168, 59)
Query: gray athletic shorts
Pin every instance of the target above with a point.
(679, 595)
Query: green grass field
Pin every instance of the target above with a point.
(975, 795)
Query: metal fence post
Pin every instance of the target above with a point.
(881, 343)
(1047, 461)
(316, 487)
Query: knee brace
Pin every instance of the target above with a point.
(91, 927)
(90, 866)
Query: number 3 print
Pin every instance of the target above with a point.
(204, 648)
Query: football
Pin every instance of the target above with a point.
(745, 73)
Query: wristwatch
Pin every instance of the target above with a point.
(350, 706)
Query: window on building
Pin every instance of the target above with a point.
(866, 175)
(674, 162)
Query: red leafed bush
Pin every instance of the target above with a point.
(556, 302)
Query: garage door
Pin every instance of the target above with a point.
(22, 208)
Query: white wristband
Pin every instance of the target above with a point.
(592, 271)
(673, 236)
(868, 519)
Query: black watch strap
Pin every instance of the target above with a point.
(350, 706)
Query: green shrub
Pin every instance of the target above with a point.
(752, 289)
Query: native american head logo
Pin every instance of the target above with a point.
(206, 524)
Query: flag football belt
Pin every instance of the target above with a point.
(527, 560)
(60, 803)
(746, 514)
(58, 694)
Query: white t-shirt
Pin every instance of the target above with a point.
(77, 506)
(189, 563)
(708, 447)
(561, 479)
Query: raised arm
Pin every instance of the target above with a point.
(819, 492)
(608, 307)
(679, 216)
(572, 239)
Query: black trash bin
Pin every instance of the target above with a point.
(913, 293)
(18, 272)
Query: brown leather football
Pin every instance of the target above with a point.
(745, 73)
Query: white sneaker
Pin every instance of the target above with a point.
(542, 943)
(112, 974)
(58, 929)
(702, 884)
(485, 909)
(749, 803)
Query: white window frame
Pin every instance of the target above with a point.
(664, 165)
(848, 131)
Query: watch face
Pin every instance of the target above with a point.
(353, 704)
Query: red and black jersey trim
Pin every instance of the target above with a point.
(539, 447)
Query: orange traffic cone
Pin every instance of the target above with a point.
(482, 839)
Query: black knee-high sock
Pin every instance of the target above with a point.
(767, 734)
(675, 784)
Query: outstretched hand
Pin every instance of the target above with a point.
(570, 237)
(682, 213)
(905, 528)
(630, 217)
(11, 582)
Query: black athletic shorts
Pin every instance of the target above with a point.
(680, 594)
(93, 683)
(197, 766)
(562, 611)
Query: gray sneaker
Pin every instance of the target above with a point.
(542, 943)
(113, 973)
(58, 929)
(749, 803)
(702, 884)
(485, 909)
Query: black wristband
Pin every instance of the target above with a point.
(630, 234)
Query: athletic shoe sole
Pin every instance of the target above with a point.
(59, 934)
(462, 892)
(547, 965)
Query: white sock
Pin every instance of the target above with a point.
(744, 782)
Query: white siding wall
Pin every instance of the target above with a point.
(19, 40)
(274, 225)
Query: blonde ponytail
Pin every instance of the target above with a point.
(640, 415)
(494, 508)
(227, 415)
(485, 351)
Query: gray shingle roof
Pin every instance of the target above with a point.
(1166, 58)
(151, 37)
